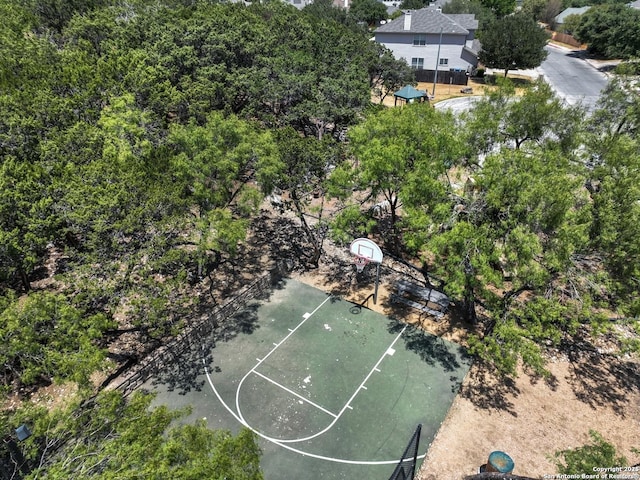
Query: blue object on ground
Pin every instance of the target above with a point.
(501, 462)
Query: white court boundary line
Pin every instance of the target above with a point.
(336, 417)
(283, 443)
(260, 361)
(295, 394)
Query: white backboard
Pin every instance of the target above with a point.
(366, 248)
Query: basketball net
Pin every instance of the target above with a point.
(360, 262)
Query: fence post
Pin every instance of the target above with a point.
(174, 347)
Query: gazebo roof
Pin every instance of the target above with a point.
(409, 93)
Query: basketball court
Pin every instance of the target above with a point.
(332, 390)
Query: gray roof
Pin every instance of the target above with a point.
(431, 20)
(570, 11)
(475, 47)
(465, 20)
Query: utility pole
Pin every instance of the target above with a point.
(435, 78)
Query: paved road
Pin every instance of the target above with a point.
(457, 105)
(572, 78)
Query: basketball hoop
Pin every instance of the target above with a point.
(360, 262)
(365, 251)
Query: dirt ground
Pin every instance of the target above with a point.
(529, 418)
(441, 92)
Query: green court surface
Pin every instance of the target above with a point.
(333, 390)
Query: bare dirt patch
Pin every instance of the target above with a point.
(530, 418)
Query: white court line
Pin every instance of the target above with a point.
(296, 394)
(307, 317)
(344, 408)
(288, 447)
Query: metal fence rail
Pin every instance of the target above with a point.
(193, 333)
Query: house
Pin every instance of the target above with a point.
(559, 19)
(299, 4)
(431, 40)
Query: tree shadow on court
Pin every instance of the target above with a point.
(432, 349)
(244, 322)
(183, 373)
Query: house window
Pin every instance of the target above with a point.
(417, 63)
(444, 61)
(419, 40)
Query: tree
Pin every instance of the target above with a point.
(387, 74)
(513, 227)
(400, 154)
(413, 4)
(618, 112)
(302, 173)
(523, 240)
(533, 8)
(533, 219)
(587, 459)
(503, 120)
(500, 8)
(543, 11)
(571, 23)
(216, 164)
(550, 12)
(113, 437)
(513, 42)
(611, 30)
(56, 13)
(27, 221)
(483, 14)
(612, 181)
(368, 11)
(325, 9)
(45, 337)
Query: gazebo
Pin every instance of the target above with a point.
(410, 95)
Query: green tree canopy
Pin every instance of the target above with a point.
(115, 437)
(401, 154)
(586, 459)
(512, 42)
(571, 23)
(368, 11)
(500, 8)
(483, 14)
(302, 173)
(537, 117)
(544, 11)
(45, 337)
(612, 181)
(611, 30)
(387, 74)
(489, 231)
(413, 4)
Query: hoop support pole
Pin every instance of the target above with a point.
(375, 291)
